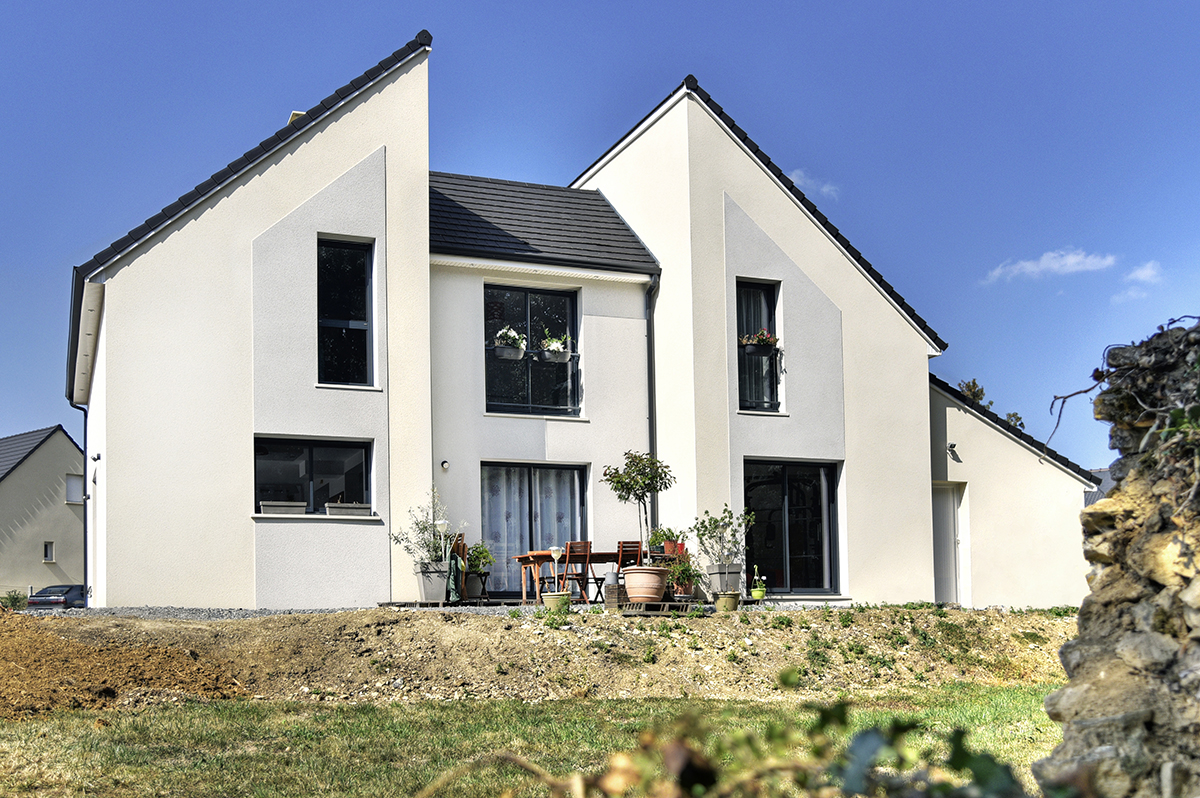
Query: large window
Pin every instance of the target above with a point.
(310, 472)
(343, 313)
(758, 365)
(792, 539)
(533, 380)
(528, 508)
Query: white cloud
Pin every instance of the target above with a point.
(1130, 293)
(1062, 261)
(809, 184)
(1148, 272)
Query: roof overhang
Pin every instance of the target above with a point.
(83, 348)
(553, 271)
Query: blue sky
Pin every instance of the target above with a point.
(1027, 175)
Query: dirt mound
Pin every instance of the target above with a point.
(40, 671)
(404, 655)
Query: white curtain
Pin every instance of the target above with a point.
(556, 507)
(505, 520)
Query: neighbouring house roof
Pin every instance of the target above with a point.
(530, 223)
(692, 85)
(15, 449)
(1014, 430)
(1106, 484)
(299, 122)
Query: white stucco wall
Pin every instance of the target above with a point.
(613, 419)
(33, 511)
(1022, 513)
(884, 515)
(178, 419)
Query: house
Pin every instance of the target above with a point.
(317, 324)
(41, 510)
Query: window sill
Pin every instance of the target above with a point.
(337, 387)
(584, 419)
(768, 413)
(313, 518)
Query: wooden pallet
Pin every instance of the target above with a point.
(617, 600)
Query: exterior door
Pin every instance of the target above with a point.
(945, 544)
(792, 537)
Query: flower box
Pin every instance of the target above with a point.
(347, 508)
(509, 352)
(283, 508)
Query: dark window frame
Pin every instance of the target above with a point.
(761, 371)
(326, 325)
(830, 474)
(532, 361)
(311, 444)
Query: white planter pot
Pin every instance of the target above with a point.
(283, 508)
(725, 578)
(347, 508)
(432, 578)
(556, 600)
(509, 352)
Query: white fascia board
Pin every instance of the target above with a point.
(1032, 449)
(568, 273)
(670, 103)
(90, 313)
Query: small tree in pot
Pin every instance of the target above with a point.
(427, 539)
(722, 541)
(642, 476)
(479, 557)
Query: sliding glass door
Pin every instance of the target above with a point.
(528, 507)
(792, 539)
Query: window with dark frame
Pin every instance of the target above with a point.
(793, 538)
(343, 313)
(313, 472)
(537, 381)
(758, 366)
(529, 508)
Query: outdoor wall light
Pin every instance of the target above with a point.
(949, 447)
(445, 465)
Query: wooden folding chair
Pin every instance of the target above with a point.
(577, 567)
(629, 552)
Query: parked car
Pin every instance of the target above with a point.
(58, 596)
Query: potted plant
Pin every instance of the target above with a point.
(683, 576)
(722, 539)
(282, 508)
(509, 344)
(339, 507)
(555, 350)
(479, 557)
(760, 343)
(642, 477)
(670, 540)
(758, 588)
(427, 539)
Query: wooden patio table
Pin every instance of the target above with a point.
(533, 561)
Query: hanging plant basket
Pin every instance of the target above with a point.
(509, 352)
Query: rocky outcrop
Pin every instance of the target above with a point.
(1131, 710)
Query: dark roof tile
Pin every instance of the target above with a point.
(530, 223)
(14, 449)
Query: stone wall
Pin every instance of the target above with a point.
(1131, 710)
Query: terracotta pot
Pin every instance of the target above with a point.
(683, 591)
(645, 583)
(672, 547)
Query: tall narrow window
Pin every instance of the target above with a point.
(758, 363)
(528, 508)
(343, 313)
(792, 539)
(542, 377)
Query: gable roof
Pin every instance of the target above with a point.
(1013, 430)
(691, 85)
(421, 42)
(531, 223)
(15, 449)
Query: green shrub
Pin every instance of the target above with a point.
(14, 600)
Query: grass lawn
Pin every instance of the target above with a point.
(239, 748)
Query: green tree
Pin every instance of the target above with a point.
(974, 391)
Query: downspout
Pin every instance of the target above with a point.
(87, 593)
(651, 297)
